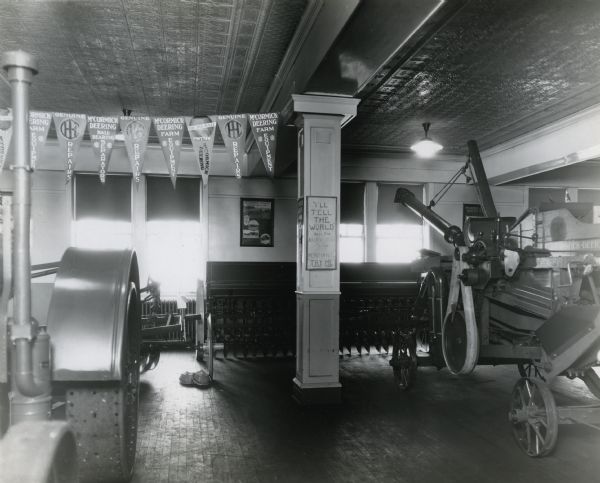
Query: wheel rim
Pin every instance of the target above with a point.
(130, 382)
(533, 417)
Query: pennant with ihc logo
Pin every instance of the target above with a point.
(69, 131)
(202, 133)
(135, 131)
(102, 132)
(39, 123)
(264, 127)
(170, 133)
(233, 130)
(6, 123)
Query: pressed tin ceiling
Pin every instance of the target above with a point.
(488, 70)
(161, 57)
(495, 70)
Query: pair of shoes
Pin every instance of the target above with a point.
(186, 379)
(201, 378)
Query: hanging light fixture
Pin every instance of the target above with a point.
(426, 148)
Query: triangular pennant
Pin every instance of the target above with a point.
(264, 127)
(170, 133)
(69, 131)
(202, 133)
(102, 132)
(39, 124)
(6, 124)
(233, 130)
(136, 130)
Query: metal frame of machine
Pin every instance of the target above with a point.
(495, 301)
(73, 378)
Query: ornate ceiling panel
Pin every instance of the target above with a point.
(161, 57)
(496, 70)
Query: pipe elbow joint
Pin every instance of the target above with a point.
(25, 379)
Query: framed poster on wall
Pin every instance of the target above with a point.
(321, 233)
(257, 221)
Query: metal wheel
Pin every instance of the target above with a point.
(404, 361)
(95, 324)
(533, 417)
(460, 343)
(105, 415)
(592, 381)
(529, 369)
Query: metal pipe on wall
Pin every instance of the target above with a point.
(21, 67)
(30, 381)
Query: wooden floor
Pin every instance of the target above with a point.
(247, 428)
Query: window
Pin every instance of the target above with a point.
(352, 230)
(399, 232)
(102, 212)
(398, 243)
(173, 233)
(352, 243)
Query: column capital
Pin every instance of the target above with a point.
(326, 105)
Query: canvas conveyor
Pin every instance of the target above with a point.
(515, 291)
(73, 372)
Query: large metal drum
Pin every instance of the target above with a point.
(94, 321)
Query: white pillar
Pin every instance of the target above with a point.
(319, 124)
(371, 190)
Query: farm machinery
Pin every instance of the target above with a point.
(518, 291)
(70, 377)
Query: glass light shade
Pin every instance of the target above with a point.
(426, 148)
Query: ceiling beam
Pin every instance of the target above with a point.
(569, 141)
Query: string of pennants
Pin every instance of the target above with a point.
(102, 130)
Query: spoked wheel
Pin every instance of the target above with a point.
(529, 369)
(404, 361)
(460, 343)
(592, 381)
(533, 417)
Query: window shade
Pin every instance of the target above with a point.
(537, 196)
(108, 201)
(389, 212)
(165, 203)
(588, 196)
(352, 203)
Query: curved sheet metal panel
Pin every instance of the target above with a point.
(88, 313)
